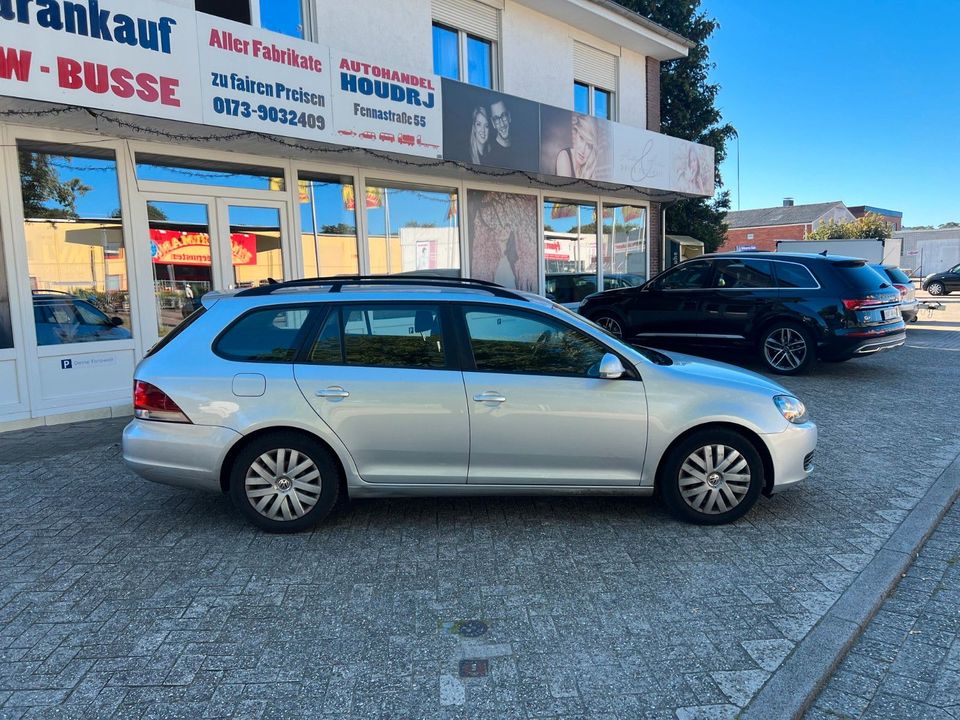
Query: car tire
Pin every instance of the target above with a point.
(712, 477)
(787, 348)
(284, 482)
(611, 322)
(937, 288)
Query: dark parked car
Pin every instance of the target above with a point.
(942, 283)
(908, 293)
(569, 289)
(64, 318)
(790, 308)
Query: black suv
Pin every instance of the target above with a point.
(791, 308)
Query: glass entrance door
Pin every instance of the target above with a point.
(199, 244)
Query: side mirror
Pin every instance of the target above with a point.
(116, 321)
(611, 368)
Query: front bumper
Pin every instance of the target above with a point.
(177, 453)
(791, 452)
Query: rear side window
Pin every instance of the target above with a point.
(266, 335)
(859, 276)
(184, 324)
(897, 275)
(794, 275)
(378, 335)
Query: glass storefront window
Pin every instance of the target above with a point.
(181, 259)
(624, 245)
(412, 229)
(75, 247)
(570, 249)
(255, 245)
(6, 328)
(329, 222)
(203, 172)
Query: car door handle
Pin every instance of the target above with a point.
(491, 396)
(334, 392)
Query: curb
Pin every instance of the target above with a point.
(794, 686)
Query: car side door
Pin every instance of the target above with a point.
(671, 305)
(384, 377)
(539, 412)
(743, 291)
(953, 279)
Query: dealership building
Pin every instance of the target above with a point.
(156, 150)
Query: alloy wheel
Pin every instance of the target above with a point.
(785, 349)
(714, 479)
(611, 325)
(283, 484)
(935, 288)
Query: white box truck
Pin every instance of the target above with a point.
(873, 250)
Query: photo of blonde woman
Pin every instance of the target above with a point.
(479, 134)
(580, 160)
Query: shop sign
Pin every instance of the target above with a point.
(654, 160)
(176, 247)
(257, 80)
(133, 57)
(386, 108)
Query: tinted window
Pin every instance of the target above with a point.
(327, 349)
(511, 341)
(746, 273)
(794, 275)
(408, 336)
(268, 335)
(897, 275)
(860, 276)
(184, 324)
(691, 276)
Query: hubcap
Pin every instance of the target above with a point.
(283, 484)
(785, 349)
(611, 326)
(714, 479)
(935, 289)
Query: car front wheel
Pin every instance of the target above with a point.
(284, 482)
(712, 477)
(787, 349)
(937, 288)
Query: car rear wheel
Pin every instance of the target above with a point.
(787, 349)
(284, 482)
(712, 477)
(611, 323)
(937, 288)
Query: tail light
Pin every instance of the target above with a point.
(152, 403)
(903, 290)
(861, 303)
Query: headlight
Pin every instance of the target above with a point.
(791, 408)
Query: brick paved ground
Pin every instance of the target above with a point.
(907, 662)
(120, 598)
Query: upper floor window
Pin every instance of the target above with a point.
(595, 77)
(280, 16)
(465, 34)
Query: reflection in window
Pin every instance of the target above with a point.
(282, 16)
(396, 336)
(203, 172)
(569, 245)
(255, 245)
(508, 341)
(412, 229)
(75, 246)
(624, 245)
(270, 335)
(446, 52)
(329, 222)
(6, 327)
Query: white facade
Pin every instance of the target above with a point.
(43, 382)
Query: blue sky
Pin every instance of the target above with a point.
(847, 100)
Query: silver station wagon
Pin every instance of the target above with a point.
(292, 396)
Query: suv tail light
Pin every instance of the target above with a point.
(152, 403)
(902, 288)
(861, 303)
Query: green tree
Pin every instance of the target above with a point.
(950, 224)
(870, 225)
(688, 110)
(42, 187)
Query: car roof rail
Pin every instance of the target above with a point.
(337, 282)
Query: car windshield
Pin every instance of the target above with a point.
(649, 354)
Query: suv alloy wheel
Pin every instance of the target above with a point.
(786, 348)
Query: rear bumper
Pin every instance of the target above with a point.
(177, 453)
(855, 343)
(791, 452)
